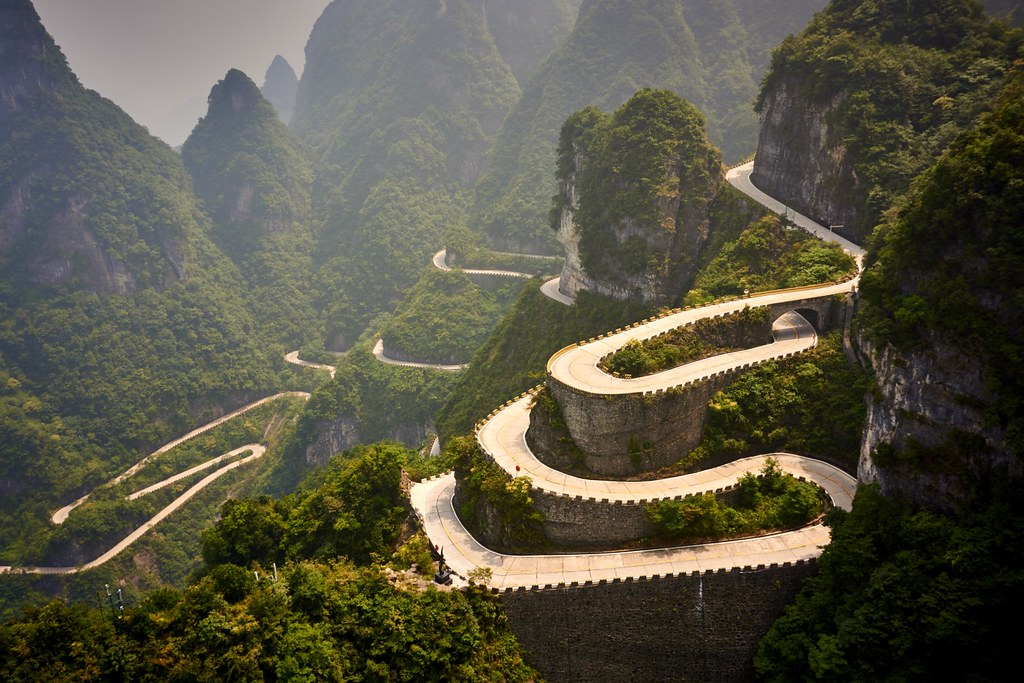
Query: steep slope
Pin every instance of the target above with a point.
(400, 102)
(922, 575)
(254, 179)
(944, 314)
(280, 85)
(122, 322)
(636, 194)
(527, 31)
(868, 96)
(100, 231)
(711, 53)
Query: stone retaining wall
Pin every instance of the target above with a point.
(694, 627)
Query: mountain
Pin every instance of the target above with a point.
(75, 212)
(944, 315)
(122, 322)
(712, 53)
(868, 96)
(280, 86)
(527, 31)
(254, 178)
(921, 575)
(636, 193)
(400, 103)
(1011, 10)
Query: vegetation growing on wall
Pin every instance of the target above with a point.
(769, 501)
(494, 498)
(703, 339)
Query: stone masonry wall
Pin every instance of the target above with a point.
(693, 627)
(624, 435)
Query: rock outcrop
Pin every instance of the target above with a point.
(851, 110)
(943, 320)
(636, 192)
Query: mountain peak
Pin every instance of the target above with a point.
(30, 61)
(279, 87)
(233, 95)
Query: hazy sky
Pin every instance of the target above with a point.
(158, 59)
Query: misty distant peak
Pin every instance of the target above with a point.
(279, 87)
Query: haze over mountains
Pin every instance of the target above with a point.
(144, 292)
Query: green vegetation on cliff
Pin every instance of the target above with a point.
(768, 256)
(905, 591)
(711, 53)
(648, 168)
(905, 594)
(898, 79)
(950, 260)
(400, 102)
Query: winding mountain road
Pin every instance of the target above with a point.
(378, 353)
(294, 359)
(503, 437)
(549, 288)
(256, 451)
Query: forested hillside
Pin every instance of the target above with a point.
(254, 180)
(122, 323)
(400, 103)
(921, 576)
(712, 53)
(868, 96)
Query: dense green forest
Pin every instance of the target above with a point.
(899, 80)
(906, 591)
(445, 317)
(144, 292)
(276, 600)
(254, 178)
(122, 324)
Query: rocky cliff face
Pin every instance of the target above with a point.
(343, 432)
(865, 99)
(943, 321)
(930, 403)
(76, 174)
(802, 160)
(30, 62)
(636, 192)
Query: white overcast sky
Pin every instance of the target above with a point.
(158, 59)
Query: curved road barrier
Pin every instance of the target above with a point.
(503, 437)
(378, 353)
(294, 359)
(549, 289)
